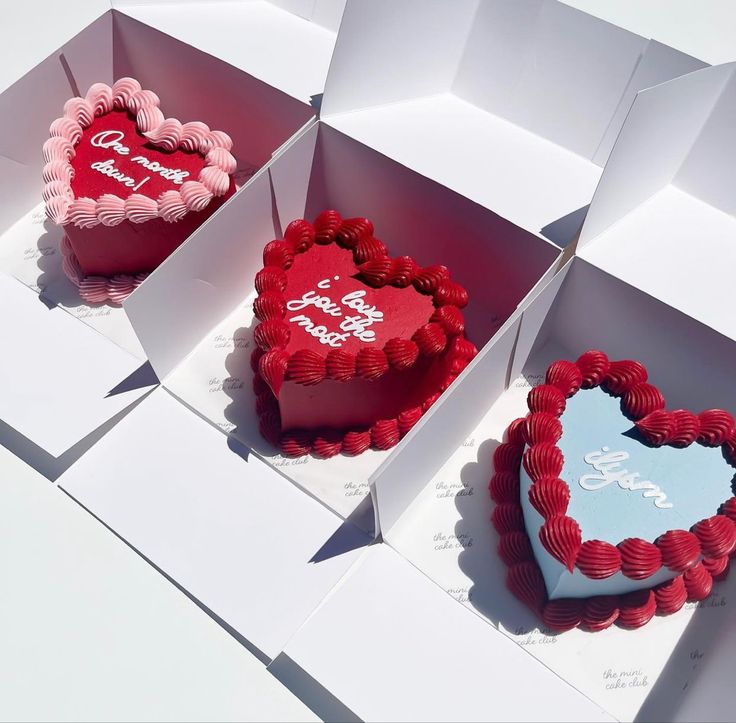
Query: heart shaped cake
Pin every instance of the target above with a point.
(609, 507)
(353, 346)
(128, 185)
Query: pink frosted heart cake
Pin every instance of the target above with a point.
(352, 345)
(611, 508)
(129, 185)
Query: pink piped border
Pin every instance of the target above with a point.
(167, 133)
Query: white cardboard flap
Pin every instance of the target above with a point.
(290, 173)
(328, 13)
(204, 280)
(60, 22)
(532, 320)
(540, 64)
(424, 38)
(442, 430)
(663, 215)
(657, 64)
(29, 106)
(213, 518)
(549, 68)
(287, 44)
(678, 249)
(709, 172)
(660, 131)
(425, 656)
(515, 105)
(101, 615)
(60, 379)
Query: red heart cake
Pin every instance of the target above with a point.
(610, 508)
(129, 185)
(353, 345)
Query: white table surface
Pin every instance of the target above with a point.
(88, 629)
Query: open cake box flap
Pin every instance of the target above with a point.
(246, 33)
(250, 548)
(60, 22)
(663, 217)
(427, 658)
(518, 95)
(60, 380)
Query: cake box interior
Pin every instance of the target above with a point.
(443, 527)
(245, 34)
(494, 97)
(204, 358)
(192, 86)
(664, 215)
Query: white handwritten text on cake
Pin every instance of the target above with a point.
(608, 464)
(352, 324)
(113, 140)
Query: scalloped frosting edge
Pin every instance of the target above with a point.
(699, 555)
(63, 207)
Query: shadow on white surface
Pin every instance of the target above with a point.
(53, 467)
(309, 691)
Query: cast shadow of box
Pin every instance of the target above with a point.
(479, 559)
(54, 288)
(244, 436)
(240, 413)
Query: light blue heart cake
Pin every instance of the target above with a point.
(609, 507)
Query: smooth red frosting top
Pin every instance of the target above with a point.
(89, 182)
(342, 295)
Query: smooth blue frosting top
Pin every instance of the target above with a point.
(696, 479)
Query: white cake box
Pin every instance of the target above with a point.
(432, 501)
(664, 215)
(194, 315)
(243, 542)
(244, 33)
(515, 105)
(285, 43)
(389, 645)
(192, 86)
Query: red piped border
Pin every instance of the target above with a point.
(700, 555)
(273, 365)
